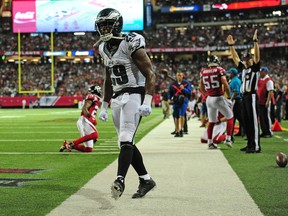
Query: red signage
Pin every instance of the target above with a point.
(24, 17)
(247, 4)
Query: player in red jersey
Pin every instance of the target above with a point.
(212, 79)
(86, 124)
(219, 131)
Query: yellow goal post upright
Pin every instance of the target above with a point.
(38, 92)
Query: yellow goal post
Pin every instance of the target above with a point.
(38, 92)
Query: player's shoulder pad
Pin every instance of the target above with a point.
(221, 70)
(134, 41)
(91, 97)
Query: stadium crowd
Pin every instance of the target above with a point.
(164, 36)
(73, 78)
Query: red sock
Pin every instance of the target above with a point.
(210, 130)
(219, 139)
(83, 148)
(92, 136)
(229, 128)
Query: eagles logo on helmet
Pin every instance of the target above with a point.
(96, 90)
(108, 24)
(213, 61)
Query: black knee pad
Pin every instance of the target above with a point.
(126, 145)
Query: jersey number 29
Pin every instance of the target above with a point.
(120, 72)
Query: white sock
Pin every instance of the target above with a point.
(145, 177)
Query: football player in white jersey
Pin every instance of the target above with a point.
(86, 123)
(129, 84)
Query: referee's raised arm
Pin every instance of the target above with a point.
(234, 54)
(256, 48)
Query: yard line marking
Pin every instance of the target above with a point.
(61, 112)
(11, 116)
(36, 126)
(38, 132)
(57, 153)
(47, 140)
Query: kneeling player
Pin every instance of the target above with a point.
(219, 131)
(86, 124)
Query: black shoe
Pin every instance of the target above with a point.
(177, 134)
(238, 134)
(265, 136)
(244, 149)
(258, 151)
(144, 187)
(173, 133)
(117, 188)
(181, 133)
(185, 132)
(252, 150)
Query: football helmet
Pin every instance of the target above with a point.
(108, 24)
(213, 61)
(96, 90)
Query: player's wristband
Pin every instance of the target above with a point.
(256, 40)
(147, 99)
(88, 115)
(104, 105)
(231, 44)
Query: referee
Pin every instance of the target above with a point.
(250, 66)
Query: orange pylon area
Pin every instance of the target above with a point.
(276, 126)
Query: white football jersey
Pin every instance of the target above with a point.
(123, 72)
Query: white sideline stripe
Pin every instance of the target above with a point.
(47, 140)
(56, 153)
(200, 182)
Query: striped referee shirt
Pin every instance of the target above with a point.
(250, 77)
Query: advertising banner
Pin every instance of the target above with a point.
(72, 15)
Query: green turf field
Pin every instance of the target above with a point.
(263, 179)
(30, 139)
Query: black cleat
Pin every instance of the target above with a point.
(66, 146)
(144, 187)
(117, 188)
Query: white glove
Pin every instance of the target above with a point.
(104, 114)
(145, 108)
